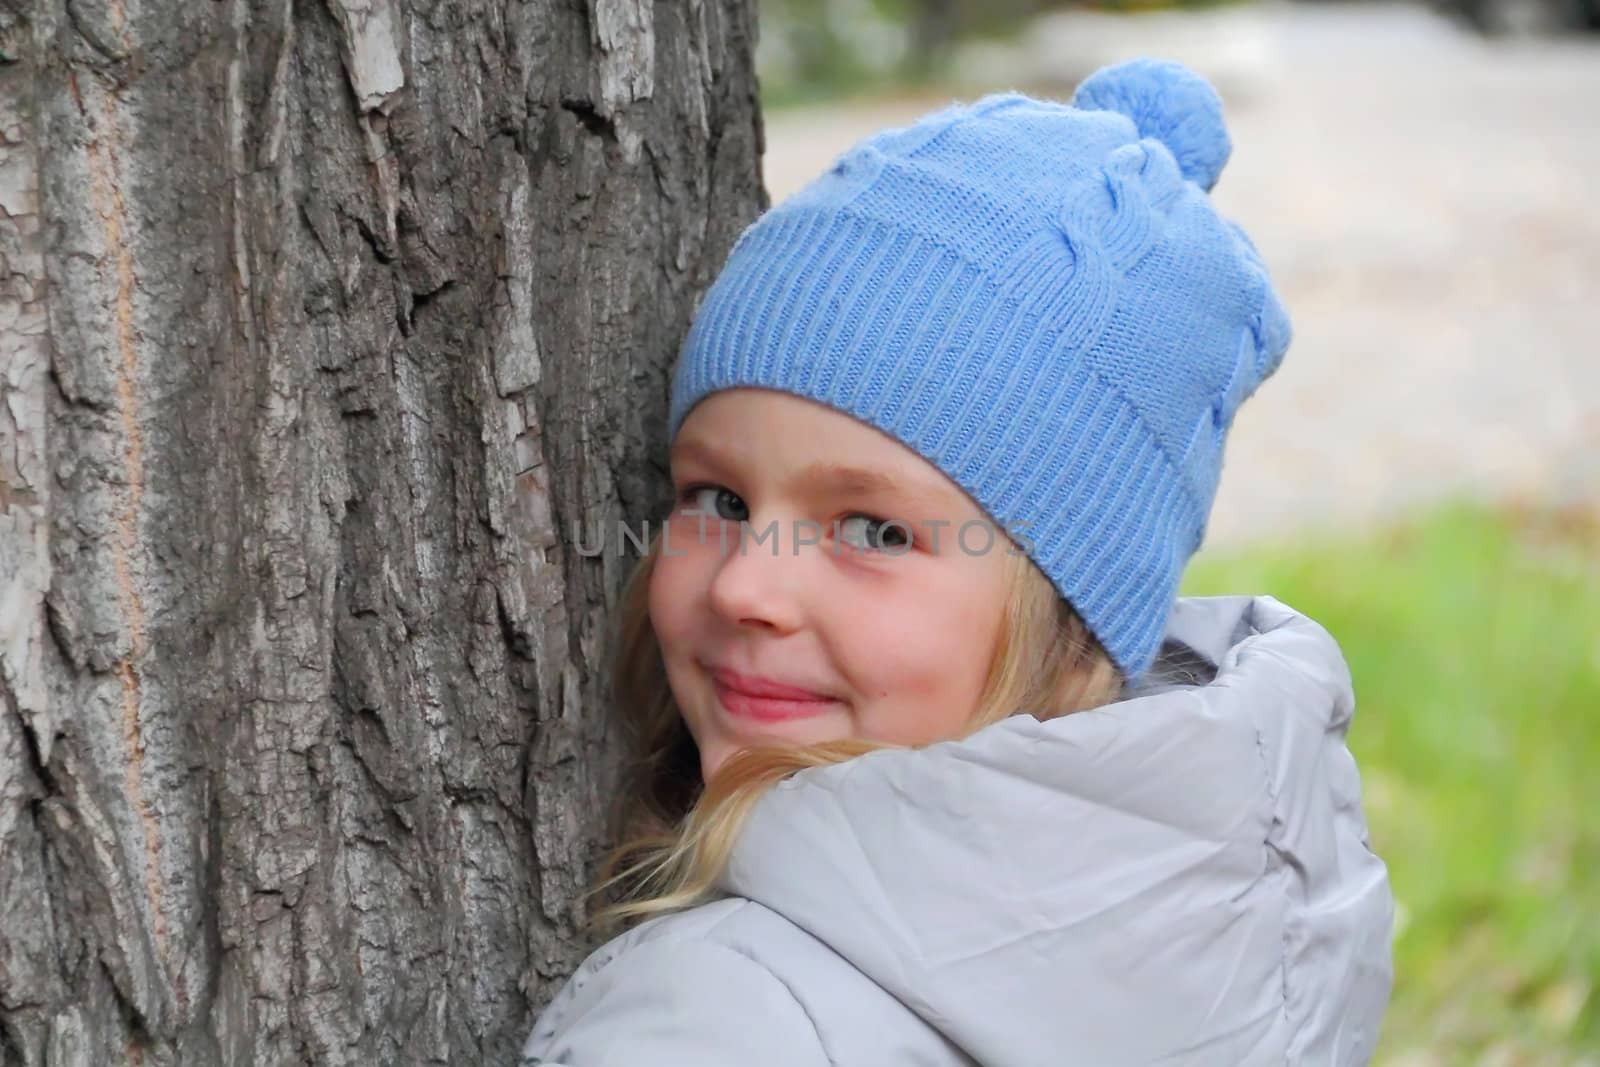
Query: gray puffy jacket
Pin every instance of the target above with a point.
(1181, 877)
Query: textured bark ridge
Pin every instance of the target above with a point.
(322, 322)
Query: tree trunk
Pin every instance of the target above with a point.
(324, 326)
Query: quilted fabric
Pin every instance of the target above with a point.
(1181, 877)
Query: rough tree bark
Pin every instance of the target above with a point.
(321, 324)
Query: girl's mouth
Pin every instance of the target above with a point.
(753, 700)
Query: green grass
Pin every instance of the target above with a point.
(1473, 636)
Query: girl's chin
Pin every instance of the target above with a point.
(715, 752)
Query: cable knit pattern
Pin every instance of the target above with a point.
(1040, 299)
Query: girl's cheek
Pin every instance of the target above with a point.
(683, 572)
(692, 533)
(670, 583)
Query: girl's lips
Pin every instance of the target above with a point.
(762, 687)
(764, 701)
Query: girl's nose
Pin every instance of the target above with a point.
(759, 580)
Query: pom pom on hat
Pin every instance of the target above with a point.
(1169, 102)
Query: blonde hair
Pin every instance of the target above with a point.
(676, 834)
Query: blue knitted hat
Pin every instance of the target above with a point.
(1039, 299)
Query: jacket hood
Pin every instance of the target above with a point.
(1182, 876)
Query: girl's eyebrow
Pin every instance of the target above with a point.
(836, 477)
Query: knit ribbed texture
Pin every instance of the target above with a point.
(1040, 300)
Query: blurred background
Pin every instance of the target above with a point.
(1422, 475)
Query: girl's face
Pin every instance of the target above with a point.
(788, 612)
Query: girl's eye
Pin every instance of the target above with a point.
(713, 500)
(860, 531)
(874, 535)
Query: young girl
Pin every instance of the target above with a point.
(937, 769)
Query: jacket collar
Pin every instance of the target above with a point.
(1144, 882)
